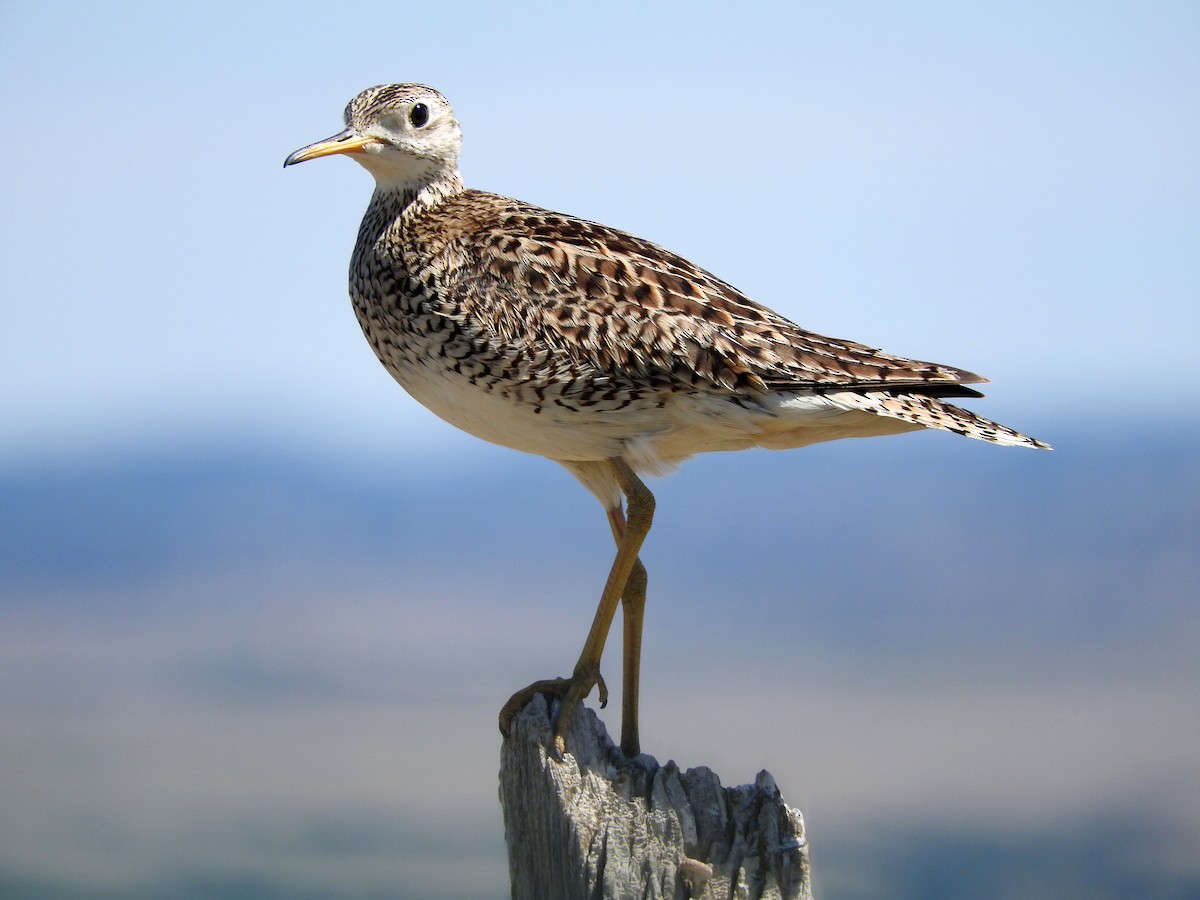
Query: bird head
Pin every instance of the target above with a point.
(405, 135)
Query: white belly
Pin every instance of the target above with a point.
(652, 437)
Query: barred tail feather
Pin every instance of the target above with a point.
(930, 412)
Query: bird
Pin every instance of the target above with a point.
(602, 351)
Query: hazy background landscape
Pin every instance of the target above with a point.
(258, 609)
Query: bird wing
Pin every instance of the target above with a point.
(619, 304)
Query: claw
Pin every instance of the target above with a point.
(569, 692)
(554, 687)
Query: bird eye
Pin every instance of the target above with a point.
(419, 115)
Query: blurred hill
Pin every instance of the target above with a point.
(929, 534)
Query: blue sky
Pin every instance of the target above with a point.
(1006, 187)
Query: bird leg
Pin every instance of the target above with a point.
(633, 606)
(629, 535)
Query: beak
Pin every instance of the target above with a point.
(348, 141)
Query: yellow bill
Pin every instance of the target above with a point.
(348, 141)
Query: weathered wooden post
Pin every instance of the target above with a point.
(596, 825)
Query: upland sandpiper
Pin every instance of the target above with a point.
(594, 348)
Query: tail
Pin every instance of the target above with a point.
(929, 412)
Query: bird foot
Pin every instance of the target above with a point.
(568, 691)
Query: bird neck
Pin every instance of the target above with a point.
(412, 196)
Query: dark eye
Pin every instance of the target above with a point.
(419, 115)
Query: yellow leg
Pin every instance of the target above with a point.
(571, 691)
(633, 607)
